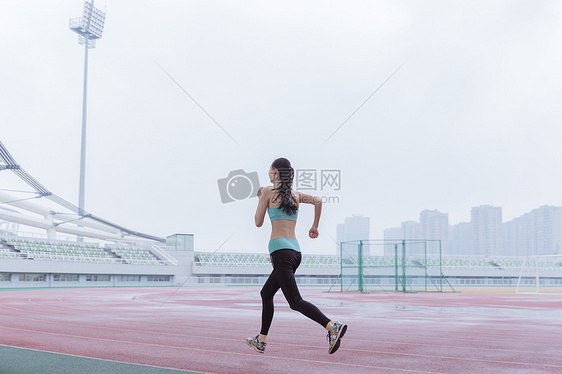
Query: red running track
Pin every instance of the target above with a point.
(204, 329)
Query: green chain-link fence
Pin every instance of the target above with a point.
(392, 265)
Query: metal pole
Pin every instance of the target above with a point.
(537, 276)
(84, 107)
(83, 148)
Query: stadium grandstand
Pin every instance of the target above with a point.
(33, 262)
(63, 246)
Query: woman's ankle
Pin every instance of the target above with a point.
(330, 325)
(262, 338)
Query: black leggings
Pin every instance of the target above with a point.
(285, 262)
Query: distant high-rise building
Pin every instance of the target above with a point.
(538, 232)
(486, 225)
(460, 242)
(357, 228)
(354, 228)
(410, 230)
(340, 235)
(516, 235)
(435, 225)
(391, 236)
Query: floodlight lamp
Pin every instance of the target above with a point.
(89, 27)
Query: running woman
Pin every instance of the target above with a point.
(282, 205)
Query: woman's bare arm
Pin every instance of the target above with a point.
(314, 200)
(264, 193)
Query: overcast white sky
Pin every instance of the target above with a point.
(473, 117)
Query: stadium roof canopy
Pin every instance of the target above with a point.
(29, 203)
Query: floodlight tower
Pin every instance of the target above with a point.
(89, 27)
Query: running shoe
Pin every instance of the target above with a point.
(255, 342)
(335, 335)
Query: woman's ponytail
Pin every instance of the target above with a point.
(285, 187)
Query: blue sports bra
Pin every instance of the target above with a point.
(276, 214)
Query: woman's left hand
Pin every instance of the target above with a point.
(313, 233)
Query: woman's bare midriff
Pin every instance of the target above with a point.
(283, 229)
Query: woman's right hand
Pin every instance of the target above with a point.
(260, 191)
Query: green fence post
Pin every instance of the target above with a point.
(425, 265)
(341, 266)
(360, 262)
(403, 266)
(396, 267)
(440, 269)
